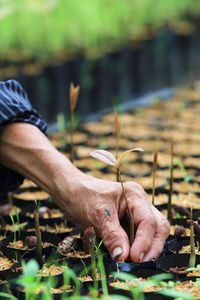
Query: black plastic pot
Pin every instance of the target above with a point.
(164, 263)
(20, 201)
(43, 221)
(46, 237)
(75, 230)
(175, 245)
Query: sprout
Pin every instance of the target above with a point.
(171, 181)
(109, 159)
(154, 174)
(39, 257)
(117, 131)
(192, 260)
(73, 96)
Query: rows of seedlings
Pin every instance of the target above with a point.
(43, 254)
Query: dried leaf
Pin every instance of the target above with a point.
(73, 94)
(104, 156)
(124, 154)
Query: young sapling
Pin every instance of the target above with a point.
(73, 96)
(155, 158)
(38, 235)
(192, 260)
(109, 159)
(171, 182)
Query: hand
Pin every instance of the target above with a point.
(100, 204)
(87, 201)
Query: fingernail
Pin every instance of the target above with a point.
(141, 257)
(116, 253)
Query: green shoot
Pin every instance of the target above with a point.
(110, 159)
(13, 222)
(192, 244)
(154, 174)
(73, 96)
(93, 259)
(97, 247)
(38, 234)
(171, 182)
(103, 274)
(187, 177)
(17, 215)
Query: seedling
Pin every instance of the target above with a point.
(110, 159)
(16, 227)
(154, 174)
(117, 132)
(171, 181)
(73, 96)
(192, 244)
(38, 234)
(187, 177)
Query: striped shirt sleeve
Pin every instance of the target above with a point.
(15, 107)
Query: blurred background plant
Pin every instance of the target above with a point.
(37, 29)
(135, 46)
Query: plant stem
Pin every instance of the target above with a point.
(117, 152)
(39, 239)
(154, 174)
(171, 182)
(103, 275)
(192, 247)
(132, 235)
(93, 260)
(72, 134)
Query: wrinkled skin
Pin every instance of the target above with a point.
(100, 204)
(87, 201)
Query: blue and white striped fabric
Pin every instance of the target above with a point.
(15, 107)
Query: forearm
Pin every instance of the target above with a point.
(26, 150)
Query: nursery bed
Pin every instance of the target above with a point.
(151, 129)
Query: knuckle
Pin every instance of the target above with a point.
(164, 224)
(151, 220)
(135, 188)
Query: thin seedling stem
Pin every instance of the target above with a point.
(93, 260)
(39, 238)
(192, 260)
(154, 174)
(171, 182)
(128, 208)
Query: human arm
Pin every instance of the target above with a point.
(85, 199)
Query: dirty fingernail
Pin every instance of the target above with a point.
(116, 253)
(141, 257)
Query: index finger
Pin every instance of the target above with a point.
(144, 237)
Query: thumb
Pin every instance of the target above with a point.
(115, 239)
